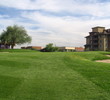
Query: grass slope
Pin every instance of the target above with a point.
(29, 75)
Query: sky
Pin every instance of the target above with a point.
(61, 22)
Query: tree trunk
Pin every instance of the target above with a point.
(12, 46)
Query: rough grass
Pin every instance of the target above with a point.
(54, 76)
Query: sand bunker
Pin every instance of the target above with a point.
(108, 55)
(104, 61)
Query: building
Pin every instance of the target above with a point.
(71, 49)
(66, 49)
(79, 49)
(32, 47)
(4, 46)
(98, 39)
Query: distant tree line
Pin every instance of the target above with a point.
(14, 35)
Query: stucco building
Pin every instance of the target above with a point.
(71, 49)
(98, 39)
(67, 49)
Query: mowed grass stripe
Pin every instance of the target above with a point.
(56, 76)
(98, 73)
(60, 88)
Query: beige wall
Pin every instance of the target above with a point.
(98, 29)
(103, 43)
(67, 48)
(71, 48)
(88, 40)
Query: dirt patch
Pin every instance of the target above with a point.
(104, 61)
(108, 55)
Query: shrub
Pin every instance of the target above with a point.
(50, 48)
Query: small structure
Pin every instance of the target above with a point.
(23, 47)
(79, 49)
(32, 47)
(67, 49)
(4, 46)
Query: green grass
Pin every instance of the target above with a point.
(31, 75)
(17, 50)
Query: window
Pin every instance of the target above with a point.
(100, 45)
(100, 41)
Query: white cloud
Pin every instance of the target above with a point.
(91, 7)
(69, 30)
(64, 30)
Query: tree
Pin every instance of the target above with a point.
(14, 35)
(50, 48)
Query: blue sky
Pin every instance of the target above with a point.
(62, 22)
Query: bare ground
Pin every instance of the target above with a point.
(104, 61)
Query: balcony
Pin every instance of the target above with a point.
(95, 43)
(87, 45)
(96, 39)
